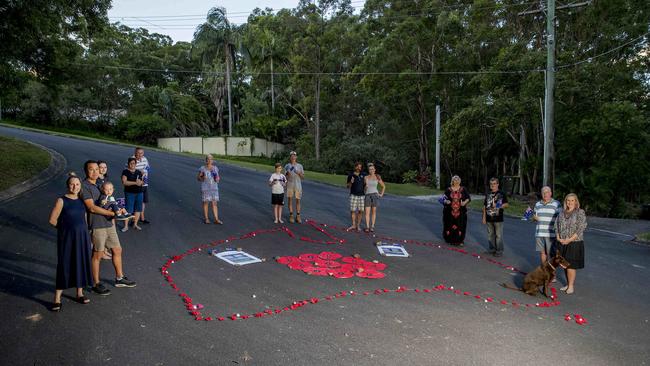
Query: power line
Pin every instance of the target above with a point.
(604, 53)
(310, 73)
(244, 14)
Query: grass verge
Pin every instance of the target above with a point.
(264, 164)
(20, 161)
(65, 131)
(644, 237)
(339, 180)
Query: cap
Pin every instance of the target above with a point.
(293, 153)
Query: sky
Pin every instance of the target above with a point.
(179, 19)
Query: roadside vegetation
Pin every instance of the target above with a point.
(339, 83)
(20, 161)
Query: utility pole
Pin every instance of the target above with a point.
(437, 146)
(549, 101)
(549, 107)
(228, 88)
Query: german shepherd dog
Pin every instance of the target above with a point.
(541, 276)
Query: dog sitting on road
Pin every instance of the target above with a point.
(541, 276)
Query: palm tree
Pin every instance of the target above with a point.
(213, 40)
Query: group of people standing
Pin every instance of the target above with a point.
(364, 196)
(85, 219)
(366, 189)
(559, 226)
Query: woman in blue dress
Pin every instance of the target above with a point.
(73, 243)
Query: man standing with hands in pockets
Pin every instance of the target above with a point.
(295, 174)
(495, 202)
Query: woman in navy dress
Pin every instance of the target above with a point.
(73, 243)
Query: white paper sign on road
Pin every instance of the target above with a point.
(392, 250)
(237, 258)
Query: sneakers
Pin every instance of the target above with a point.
(291, 220)
(124, 282)
(126, 216)
(298, 219)
(101, 290)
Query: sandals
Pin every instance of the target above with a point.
(206, 221)
(83, 300)
(372, 229)
(56, 306)
(366, 230)
(219, 222)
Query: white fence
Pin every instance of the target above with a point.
(233, 146)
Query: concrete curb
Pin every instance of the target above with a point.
(56, 167)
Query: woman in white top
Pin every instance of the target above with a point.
(372, 196)
(210, 178)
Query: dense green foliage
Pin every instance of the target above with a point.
(340, 85)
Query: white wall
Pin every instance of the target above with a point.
(233, 146)
(214, 145)
(192, 144)
(170, 143)
(238, 146)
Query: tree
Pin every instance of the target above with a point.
(216, 39)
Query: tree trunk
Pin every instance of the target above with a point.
(423, 138)
(317, 120)
(272, 87)
(228, 87)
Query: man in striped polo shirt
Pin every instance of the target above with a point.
(546, 212)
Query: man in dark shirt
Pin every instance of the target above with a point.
(495, 202)
(102, 232)
(357, 196)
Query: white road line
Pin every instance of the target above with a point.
(611, 232)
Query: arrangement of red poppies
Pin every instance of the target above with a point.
(334, 265)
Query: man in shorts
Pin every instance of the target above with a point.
(295, 174)
(142, 164)
(545, 214)
(102, 232)
(357, 196)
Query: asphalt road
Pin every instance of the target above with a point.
(148, 325)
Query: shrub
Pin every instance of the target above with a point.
(409, 176)
(144, 129)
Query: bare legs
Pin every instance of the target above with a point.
(371, 214)
(215, 211)
(571, 279)
(290, 202)
(356, 220)
(117, 263)
(277, 212)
